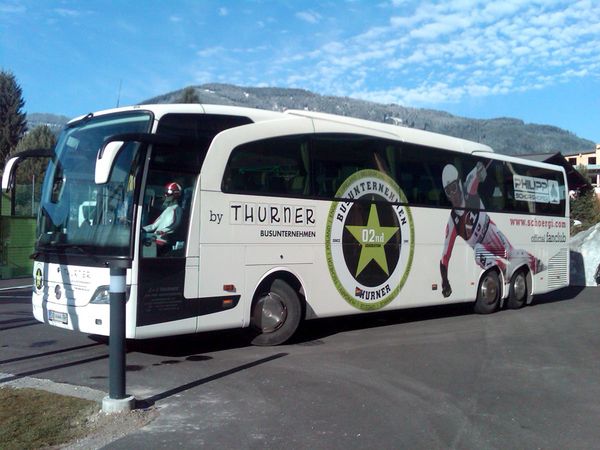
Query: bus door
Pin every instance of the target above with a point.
(164, 229)
(165, 293)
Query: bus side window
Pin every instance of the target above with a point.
(336, 157)
(498, 196)
(273, 166)
(419, 173)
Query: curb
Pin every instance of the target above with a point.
(29, 286)
(56, 388)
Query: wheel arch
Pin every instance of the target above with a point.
(528, 275)
(481, 306)
(530, 284)
(291, 278)
(503, 281)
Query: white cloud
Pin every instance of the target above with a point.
(210, 51)
(12, 8)
(503, 62)
(309, 16)
(64, 12)
(223, 12)
(521, 50)
(333, 47)
(431, 31)
(126, 26)
(203, 76)
(495, 10)
(428, 54)
(571, 73)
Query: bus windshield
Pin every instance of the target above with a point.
(77, 215)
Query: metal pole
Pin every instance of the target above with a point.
(117, 292)
(13, 194)
(117, 400)
(33, 195)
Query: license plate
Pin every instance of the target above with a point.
(56, 316)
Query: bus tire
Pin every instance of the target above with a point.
(488, 293)
(517, 296)
(275, 314)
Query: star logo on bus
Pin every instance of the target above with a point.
(369, 240)
(372, 237)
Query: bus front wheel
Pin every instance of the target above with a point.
(488, 293)
(276, 314)
(518, 290)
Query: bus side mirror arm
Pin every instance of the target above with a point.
(10, 168)
(113, 145)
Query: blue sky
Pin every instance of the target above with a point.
(534, 60)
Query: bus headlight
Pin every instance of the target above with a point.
(102, 296)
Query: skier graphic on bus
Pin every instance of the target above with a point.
(469, 220)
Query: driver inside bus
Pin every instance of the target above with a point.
(162, 229)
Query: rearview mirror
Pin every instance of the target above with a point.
(105, 160)
(10, 168)
(113, 145)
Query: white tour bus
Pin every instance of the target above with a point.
(235, 217)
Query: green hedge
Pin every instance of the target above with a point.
(17, 235)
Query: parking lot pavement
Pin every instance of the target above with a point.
(437, 377)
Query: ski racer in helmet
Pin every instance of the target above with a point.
(469, 220)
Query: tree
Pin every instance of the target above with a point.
(189, 95)
(585, 208)
(13, 122)
(40, 137)
(30, 172)
(583, 170)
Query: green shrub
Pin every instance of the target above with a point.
(586, 209)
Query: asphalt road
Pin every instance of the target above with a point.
(437, 377)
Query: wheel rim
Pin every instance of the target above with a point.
(270, 313)
(520, 287)
(489, 290)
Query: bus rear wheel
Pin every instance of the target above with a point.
(488, 293)
(275, 314)
(517, 296)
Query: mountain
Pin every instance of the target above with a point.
(52, 121)
(504, 135)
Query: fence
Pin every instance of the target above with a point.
(17, 233)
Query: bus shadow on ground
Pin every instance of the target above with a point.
(150, 401)
(560, 295)
(311, 332)
(314, 330)
(188, 344)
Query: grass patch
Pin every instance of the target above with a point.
(30, 418)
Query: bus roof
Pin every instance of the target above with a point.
(405, 134)
(159, 110)
(401, 133)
